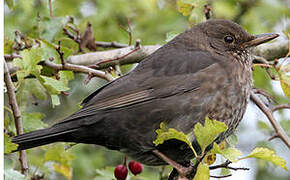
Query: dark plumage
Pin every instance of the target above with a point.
(205, 71)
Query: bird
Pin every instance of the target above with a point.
(203, 72)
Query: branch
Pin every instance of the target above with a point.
(281, 106)
(226, 165)
(16, 114)
(9, 57)
(269, 113)
(79, 68)
(100, 56)
(272, 51)
(183, 171)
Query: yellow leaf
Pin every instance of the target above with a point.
(206, 134)
(165, 133)
(202, 172)
(285, 79)
(184, 7)
(63, 169)
(230, 153)
(268, 155)
(286, 87)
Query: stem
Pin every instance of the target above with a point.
(16, 114)
(269, 113)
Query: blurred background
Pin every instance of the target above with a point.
(154, 22)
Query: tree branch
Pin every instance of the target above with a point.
(100, 56)
(281, 106)
(16, 114)
(269, 113)
(79, 68)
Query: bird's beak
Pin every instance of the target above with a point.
(260, 39)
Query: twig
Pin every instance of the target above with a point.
(183, 171)
(281, 106)
(71, 36)
(271, 75)
(262, 65)
(261, 59)
(9, 57)
(60, 53)
(268, 112)
(223, 165)
(264, 93)
(16, 114)
(110, 44)
(207, 11)
(79, 68)
(129, 31)
(273, 137)
(219, 177)
(50, 8)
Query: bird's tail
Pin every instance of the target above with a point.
(43, 137)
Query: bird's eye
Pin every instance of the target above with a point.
(229, 39)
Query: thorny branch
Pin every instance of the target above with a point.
(16, 114)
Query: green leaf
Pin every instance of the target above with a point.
(268, 155)
(231, 153)
(164, 134)
(50, 51)
(50, 27)
(58, 154)
(54, 86)
(66, 76)
(29, 63)
(55, 100)
(33, 121)
(206, 134)
(185, 7)
(202, 172)
(8, 145)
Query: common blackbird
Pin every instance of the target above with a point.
(205, 71)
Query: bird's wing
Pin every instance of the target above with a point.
(168, 71)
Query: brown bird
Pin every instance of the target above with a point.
(205, 71)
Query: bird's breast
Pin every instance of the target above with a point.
(229, 103)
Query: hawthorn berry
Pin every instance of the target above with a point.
(121, 172)
(135, 167)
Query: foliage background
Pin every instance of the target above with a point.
(153, 21)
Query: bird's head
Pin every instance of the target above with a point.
(227, 36)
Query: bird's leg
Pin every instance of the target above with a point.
(183, 171)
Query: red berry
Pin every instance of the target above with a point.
(121, 172)
(135, 167)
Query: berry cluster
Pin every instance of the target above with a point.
(121, 170)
